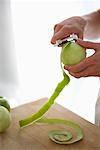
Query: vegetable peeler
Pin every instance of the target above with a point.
(67, 39)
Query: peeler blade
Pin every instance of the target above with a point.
(67, 39)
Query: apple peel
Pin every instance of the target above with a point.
(61, 136)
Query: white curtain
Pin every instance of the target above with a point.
(8, 68)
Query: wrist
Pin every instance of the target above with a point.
(92, 27)
(98, 13)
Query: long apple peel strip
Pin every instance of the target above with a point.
(38, 117)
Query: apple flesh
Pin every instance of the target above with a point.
(72, 53)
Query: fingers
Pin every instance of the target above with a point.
(80, 66)
(57, 27)
(89, 45)
(64, 31)
(90, 71)
(88, 67)
(87, 62)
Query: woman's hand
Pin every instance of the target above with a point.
(90, 66)
(65, 28)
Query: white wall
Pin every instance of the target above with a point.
(38, 60)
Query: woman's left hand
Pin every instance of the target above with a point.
(90, 66)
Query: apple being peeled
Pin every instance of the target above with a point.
(72, 53)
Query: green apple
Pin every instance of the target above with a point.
(5, 119)
(4, 102)
(72, 53)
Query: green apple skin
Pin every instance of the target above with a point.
(72, 53)
(4, 103)
(5, 119)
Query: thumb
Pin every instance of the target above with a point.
(89, 45)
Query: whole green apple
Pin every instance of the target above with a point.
(4, 103)
(5, 119)
(72, 53)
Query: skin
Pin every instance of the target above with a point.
(89, 66)
(87, 26)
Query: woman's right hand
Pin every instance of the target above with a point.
(65, 28)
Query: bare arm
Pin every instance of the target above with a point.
(87, 26)
(92, 27)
